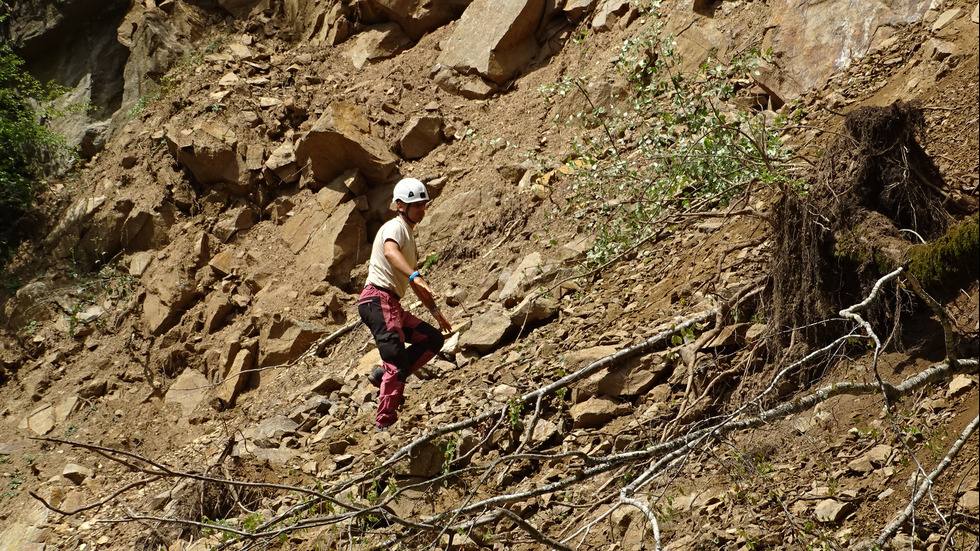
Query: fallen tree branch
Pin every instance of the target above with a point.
(97, 504)
(926, 485)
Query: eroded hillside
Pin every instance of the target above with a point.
(188, 316)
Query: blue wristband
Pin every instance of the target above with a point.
(413, 276)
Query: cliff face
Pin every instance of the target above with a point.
(195, 286)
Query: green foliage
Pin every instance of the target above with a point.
(450, 449)
(515, 409)
(677, 144)
(26, 145)
(431, 260)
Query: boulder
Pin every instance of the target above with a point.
(376, 43)
(341, 140)
(298, 228)
(831, 511)
(282, 163)
(64, 410)
(188, 390)
(282, 340)
(875, 457)
(41, 420)
(326, 384)
(534, 309)
(269, 433)
(210, 160)
(596, 411)
(425, 460)
(77, 473)
(234, 221)
(333, 195)
(946, 18)
(332, 247)
(148, 227)
(494, 38)
(609, 13)
(632, 377)
(235, 378)
(530, 267)
(311, 406)
(216, 309)
(421, 135)
(222, 264)
(487, 330)
(579, 359)
(959, 385)
(93, 389)
(467, 86)
(811, 44)
(167, 294)
(970, 502)
(544, 431)
(444, 217)
(778, 84)
(29, 305)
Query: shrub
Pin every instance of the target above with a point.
(680, 144)
(26, 145)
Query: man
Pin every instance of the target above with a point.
(394, 259)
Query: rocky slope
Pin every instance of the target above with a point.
(192, 302)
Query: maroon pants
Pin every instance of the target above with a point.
(392, 327)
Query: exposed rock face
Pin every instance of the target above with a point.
(155, 48)
(416, 17)
(803, 34)
(73, 42)
(494, 38)
(239, 8)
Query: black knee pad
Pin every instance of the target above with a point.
(391, 348)
(436, 341)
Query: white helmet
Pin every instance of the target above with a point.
(410, 190)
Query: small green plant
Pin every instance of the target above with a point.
(29, 328)
(142, 103)
(515, 408)
(450, 448)
(215, 527)
(561, 401)
(17, 478)
(431, 260)
(686, 336)
(252, 521)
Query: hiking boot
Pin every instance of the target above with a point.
(375, 376)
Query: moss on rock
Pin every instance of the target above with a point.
(953, 258)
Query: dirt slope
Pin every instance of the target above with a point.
(828, 476)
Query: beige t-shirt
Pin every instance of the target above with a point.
(380, 273)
